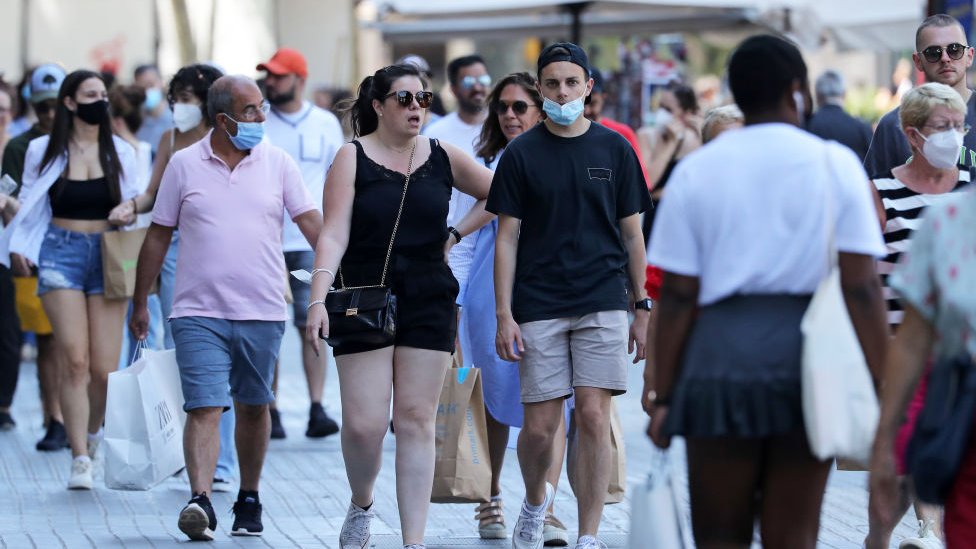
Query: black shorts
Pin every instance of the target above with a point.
(426, 293)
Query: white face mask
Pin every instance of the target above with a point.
(942, 149)
(186, 116)
(663, 117)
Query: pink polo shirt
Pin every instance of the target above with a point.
(230, 263)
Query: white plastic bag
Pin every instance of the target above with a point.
(657, 518)
(144, 421)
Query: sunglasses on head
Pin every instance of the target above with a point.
(518, 107)
(933, 54)
(469, 82)
(405, 98)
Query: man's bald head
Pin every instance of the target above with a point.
(228, 95)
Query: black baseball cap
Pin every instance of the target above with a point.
(563, 51)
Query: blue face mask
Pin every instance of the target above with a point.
(153, 97)
(249, 134)
(564, 115)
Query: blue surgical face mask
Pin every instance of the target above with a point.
(249, 134)
(565, 114)
(153, 97)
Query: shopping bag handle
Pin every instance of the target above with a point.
(141, 346)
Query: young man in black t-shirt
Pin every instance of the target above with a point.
(569, 263)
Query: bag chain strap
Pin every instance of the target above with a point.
(396, 226)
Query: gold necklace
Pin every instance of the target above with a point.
(82, 150)
(399, 151)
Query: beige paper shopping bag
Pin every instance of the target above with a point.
(462, 470)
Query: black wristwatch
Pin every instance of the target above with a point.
(456, 233)
(644, 304)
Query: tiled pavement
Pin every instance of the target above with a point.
(304, 490)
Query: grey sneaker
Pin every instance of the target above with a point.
(355, 529)
(81, 474)
(529, 526)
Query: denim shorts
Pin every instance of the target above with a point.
(70, 260)
(214, 352)
(300, 291)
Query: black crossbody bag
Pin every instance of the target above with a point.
(366, 314)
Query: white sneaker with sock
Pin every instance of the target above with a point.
(355, 529)
(81, 474)
(530, 523)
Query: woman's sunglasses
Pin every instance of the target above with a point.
(405, 98)
(933, 54)
(518, 107)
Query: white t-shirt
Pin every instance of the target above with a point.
(144, 165)
(451, 129)
(746, 213)
(311, 136)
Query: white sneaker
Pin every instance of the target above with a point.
(81, 474)
(554, 532)
(925, 540)
(221, 485)
(590, 542)
(529, 527)
(355, 529)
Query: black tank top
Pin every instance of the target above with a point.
(423, 224)
(81, 199)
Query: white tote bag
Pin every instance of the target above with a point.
(144, 421)
(657, 518)
(840, 407)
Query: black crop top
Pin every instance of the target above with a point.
(423, 226)
(81, 199)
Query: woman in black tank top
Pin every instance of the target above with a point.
(362, 197)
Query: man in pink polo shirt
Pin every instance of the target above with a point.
(226, 193)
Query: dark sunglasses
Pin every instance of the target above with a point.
(519, 107)
(933, 54)
(405, 98)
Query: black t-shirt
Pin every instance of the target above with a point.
(569, 194)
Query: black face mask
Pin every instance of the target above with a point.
(93, 113)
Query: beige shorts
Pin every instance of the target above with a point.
(579, 351)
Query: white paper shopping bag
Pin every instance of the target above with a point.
(144, 421)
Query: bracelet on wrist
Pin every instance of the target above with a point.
(317, 271)
(316, 302)
(456, 233)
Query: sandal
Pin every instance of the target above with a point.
(491, 520)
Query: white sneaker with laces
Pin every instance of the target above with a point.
(81, 474)
(355, 529)
(925, 540)
(529, 526)
(590, 542)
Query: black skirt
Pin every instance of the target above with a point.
(740, 374)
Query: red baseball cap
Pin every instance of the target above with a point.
(286, 61)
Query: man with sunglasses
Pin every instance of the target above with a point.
(226, 193)
(45, 82)
(470, 84)
(943, 55)
(311, 136)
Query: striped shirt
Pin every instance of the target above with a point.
(903, 215)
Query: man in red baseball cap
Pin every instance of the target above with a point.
(311, 136)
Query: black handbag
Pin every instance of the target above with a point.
(366, 314)
(944, 428)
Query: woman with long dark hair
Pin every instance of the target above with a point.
(363, 193)
(516, 107)
(72, 179)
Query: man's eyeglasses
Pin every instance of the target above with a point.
(469, 82)
(961, 128)
(933, 54)
(250, 114)
(518, 107)
(405, 98)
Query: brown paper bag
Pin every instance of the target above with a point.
(618, 456)
(120, 253)
(462, 471)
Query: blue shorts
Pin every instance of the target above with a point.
(70, 260)
(214, 352)
(300, 291)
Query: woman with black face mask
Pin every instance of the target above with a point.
(72, 180)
